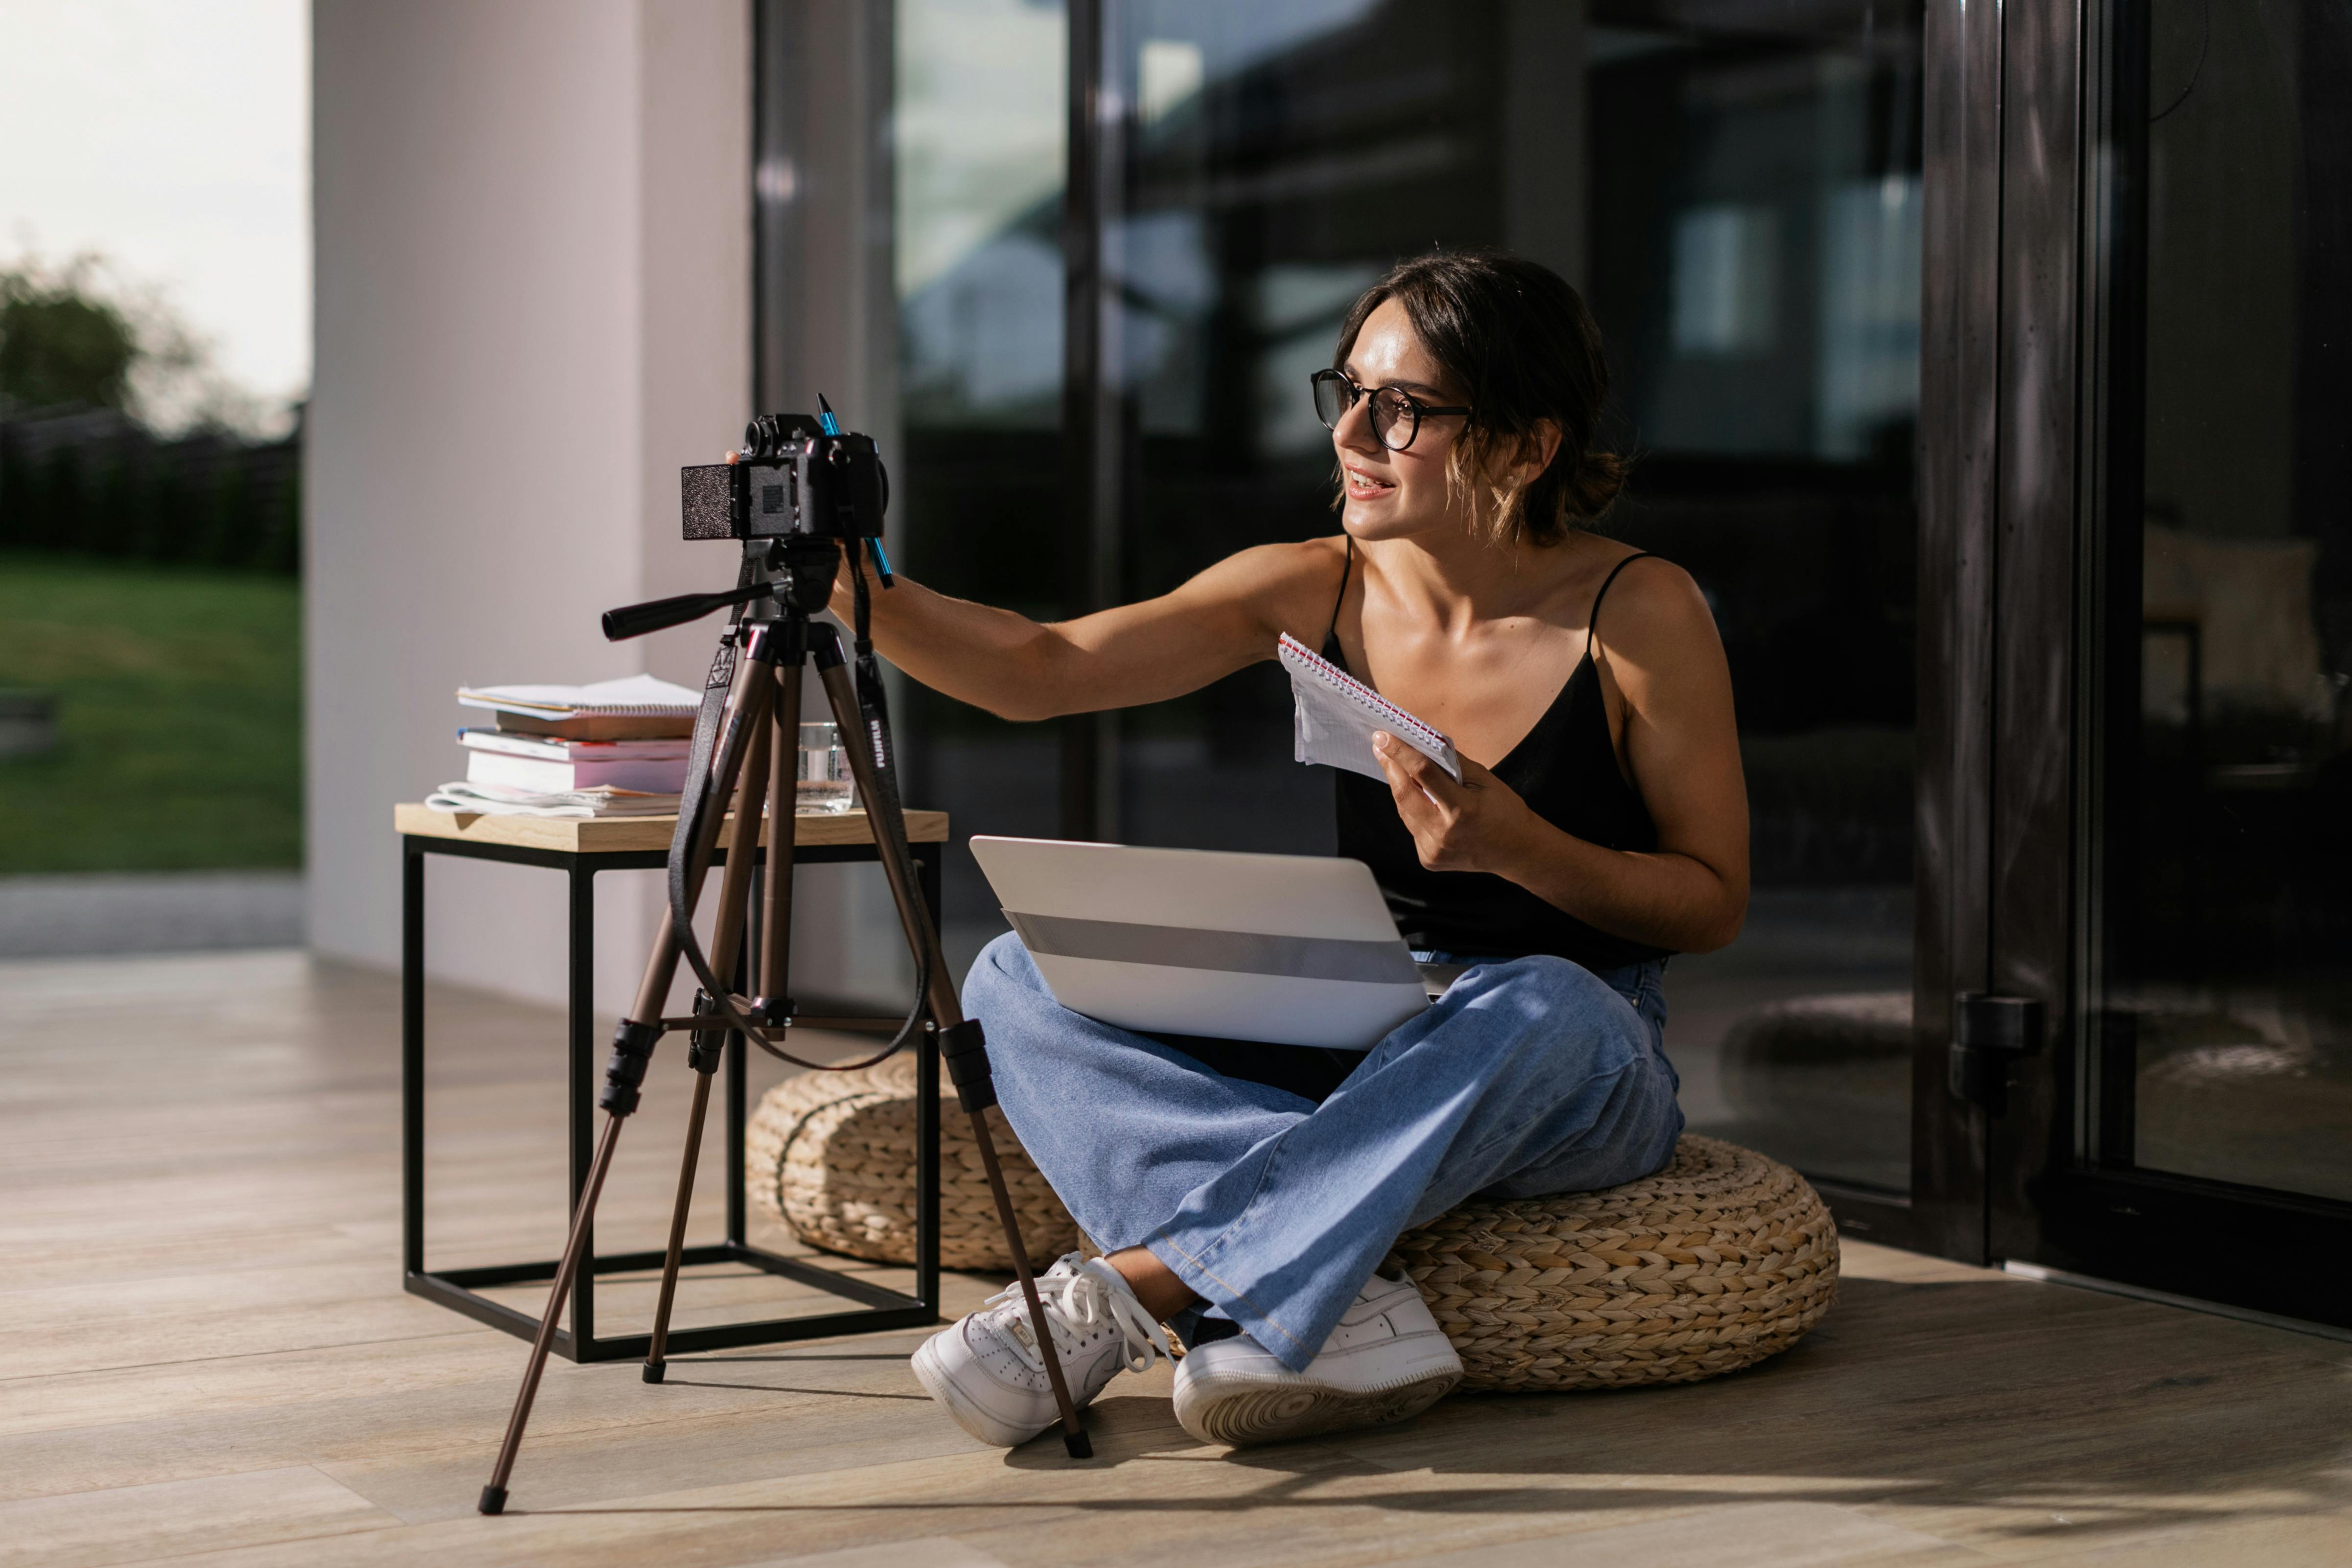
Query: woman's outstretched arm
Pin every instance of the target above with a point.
(1220, 621)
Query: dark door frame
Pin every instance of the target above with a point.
(1097, 413)
(1964, 460)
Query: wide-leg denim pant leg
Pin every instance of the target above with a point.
(1529, 1076)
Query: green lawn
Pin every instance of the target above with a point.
(180, 719)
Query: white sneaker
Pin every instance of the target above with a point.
(985, 1367)
(1387, 1361)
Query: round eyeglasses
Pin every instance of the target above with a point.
(1396, 413)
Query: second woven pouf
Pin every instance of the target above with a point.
(832, 1153)
(1722, 1259)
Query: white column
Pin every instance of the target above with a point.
(533, 305)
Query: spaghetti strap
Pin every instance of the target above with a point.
(1592, 616)
(1345, 573)
(1569, 768)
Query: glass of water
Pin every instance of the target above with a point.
(824, 785)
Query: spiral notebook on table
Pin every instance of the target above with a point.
(1335, 715)
(635, 707)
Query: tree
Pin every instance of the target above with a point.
(59, 346)
(183, 464)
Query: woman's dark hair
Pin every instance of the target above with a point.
(1520, 347)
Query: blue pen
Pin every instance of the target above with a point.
(832, 426)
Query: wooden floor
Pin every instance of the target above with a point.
(208, 1358)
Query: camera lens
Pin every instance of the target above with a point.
(752, 438)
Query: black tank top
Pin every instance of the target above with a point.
(1565, 770)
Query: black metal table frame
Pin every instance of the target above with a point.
(459, 1289)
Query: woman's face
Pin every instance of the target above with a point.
(1395, 495)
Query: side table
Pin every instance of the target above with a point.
(580, 849)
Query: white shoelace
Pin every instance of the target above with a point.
(1077, 1298)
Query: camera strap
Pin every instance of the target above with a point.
(873, 700)
(714, 686)
(696, 801)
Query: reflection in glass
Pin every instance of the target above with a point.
(1727, 280)
(978, 129)
(1754, 259)
(1280, 157)
(978, 134)
(2222, 1046)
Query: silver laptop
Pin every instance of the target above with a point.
(1293, 949)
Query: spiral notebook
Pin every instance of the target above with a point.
(635, 707)
(632, 696)
(1335, 715)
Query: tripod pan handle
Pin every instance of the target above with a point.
(655, 615)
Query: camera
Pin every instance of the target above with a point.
(795, 475)
(799, 491)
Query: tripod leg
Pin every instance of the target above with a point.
(494, 1496)
(654, 1359)
(959, 1039)
(633, 1048)
(710, 1048)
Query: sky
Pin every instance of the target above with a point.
(173, 136)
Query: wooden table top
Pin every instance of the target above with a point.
(626, 834)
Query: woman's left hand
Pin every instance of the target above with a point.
(1474, 825)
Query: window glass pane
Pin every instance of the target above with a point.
(2222, 1044)
(1754, 259)
(1265, 143)
(978, 132)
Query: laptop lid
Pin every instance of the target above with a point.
(1291, 949)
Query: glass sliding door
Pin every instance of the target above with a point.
(2222, 986)
(2202, 1074)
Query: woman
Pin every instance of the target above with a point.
(1239, 1199)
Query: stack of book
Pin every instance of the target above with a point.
(616, 748)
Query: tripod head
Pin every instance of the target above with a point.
(797, 571)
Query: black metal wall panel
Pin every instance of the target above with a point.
(1091, 410)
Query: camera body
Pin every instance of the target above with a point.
(793, 476)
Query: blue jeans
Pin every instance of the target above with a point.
(1529, 1076)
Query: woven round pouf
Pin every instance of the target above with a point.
(832, 1153)
(1722, 1259)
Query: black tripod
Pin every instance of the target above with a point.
(747, 732)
